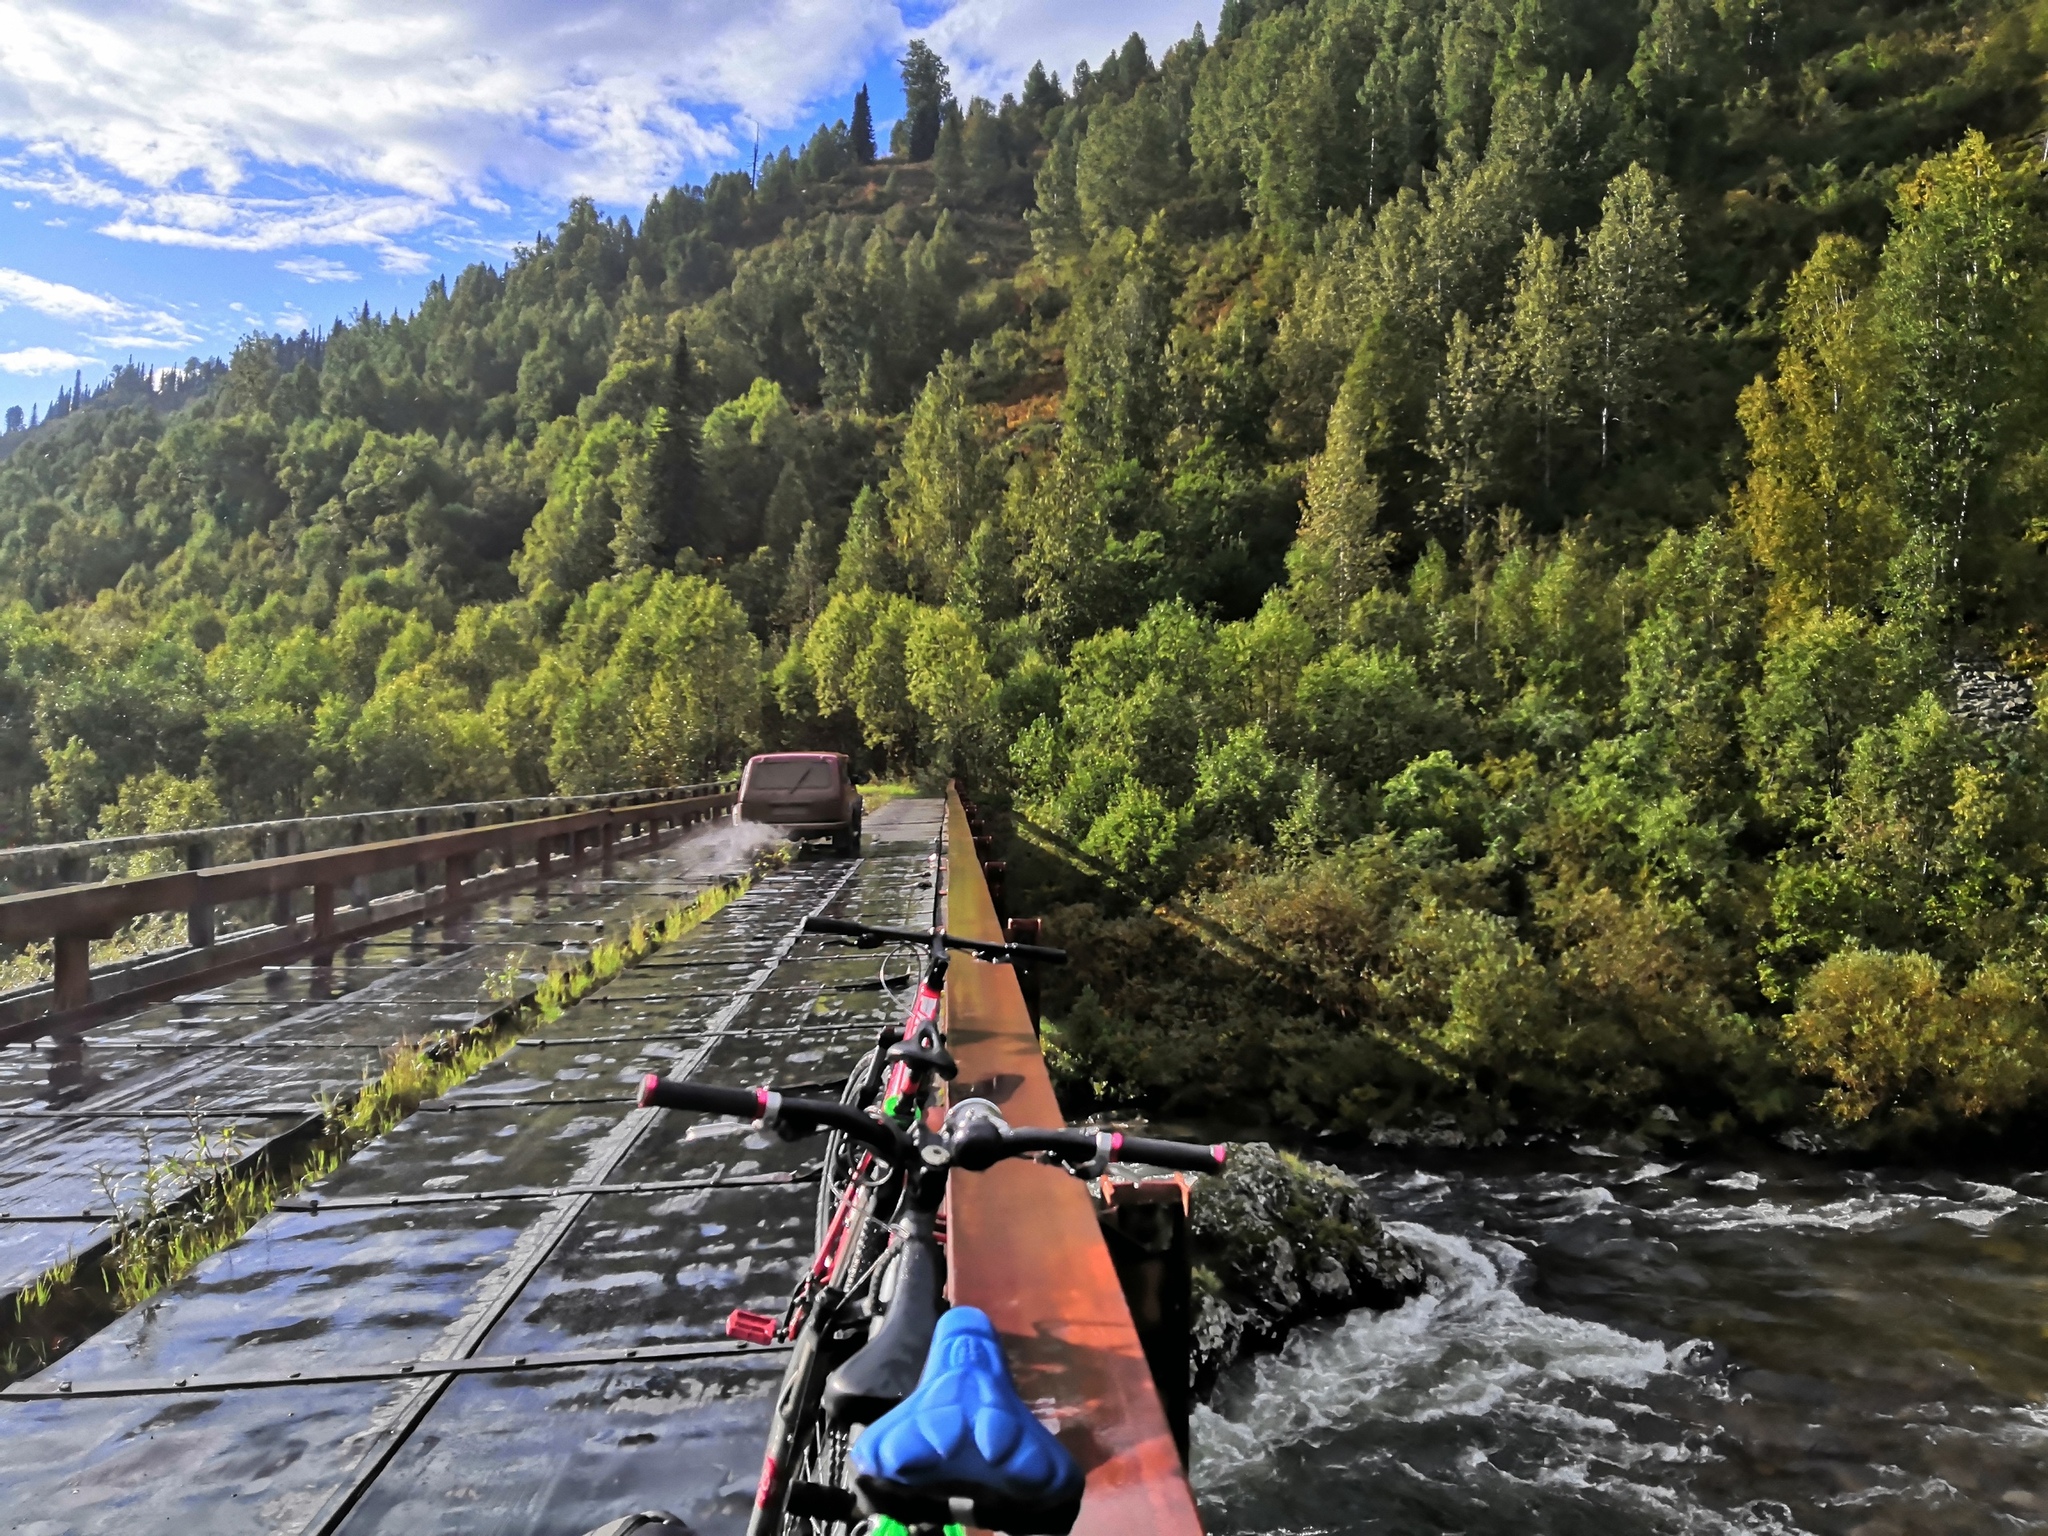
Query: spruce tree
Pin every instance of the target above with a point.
(1042, 92)
(949, 161)
(676, 469)
(861, 137)
(925, 95)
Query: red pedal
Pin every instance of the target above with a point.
(751, 1327)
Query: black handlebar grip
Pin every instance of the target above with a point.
(1182, 1155)
(1039, 952)
(672, 1093)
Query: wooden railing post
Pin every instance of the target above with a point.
(323, 911)
(359, 888)
(460, 867)
(74, 971)
(198, 916)
(420, 872)
(282, 910)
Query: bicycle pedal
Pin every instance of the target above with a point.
(751, 1327)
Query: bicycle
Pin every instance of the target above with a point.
(865, 1319)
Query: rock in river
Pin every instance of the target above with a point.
(1278, 1240)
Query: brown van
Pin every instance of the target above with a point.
(806, 794)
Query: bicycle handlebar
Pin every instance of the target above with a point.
(799, 1116)
(975, 1143)
(869, 935)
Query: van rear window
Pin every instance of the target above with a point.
(793, 774)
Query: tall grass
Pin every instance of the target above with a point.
(191, 1204)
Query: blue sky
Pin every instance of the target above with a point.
(177, 173)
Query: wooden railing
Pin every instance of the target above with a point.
(343, 907)
(42, 865)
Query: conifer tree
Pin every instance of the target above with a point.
(676, 471)
(1042, 92)
(926, 93)
(946, 483)
(789, 509)
(861, 136)
(949, 160)
(868, 557)
(809, 583)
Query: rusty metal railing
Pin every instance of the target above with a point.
(1024, 1245)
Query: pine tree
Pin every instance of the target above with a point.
(925, 95)
(861, 137)
(949, 161)
(789, 509)
(868, 557)
(677, 474)
(1055, 222)
(810, 579)
(1042, 92)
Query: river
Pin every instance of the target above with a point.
(1619, 1346)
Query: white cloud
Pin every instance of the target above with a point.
(989, 44)
(168, 113)
(409, 129)
(41, 360)
(60, 301)
(317, 269)
(123, 324)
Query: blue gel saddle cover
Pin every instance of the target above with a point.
(964, 1430)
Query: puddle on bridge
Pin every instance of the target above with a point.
(378, 1276)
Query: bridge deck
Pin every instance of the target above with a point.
(431, 1251)
(82, 1115)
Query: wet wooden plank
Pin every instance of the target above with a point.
(1025, 1248)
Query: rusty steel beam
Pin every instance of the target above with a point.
(1024, 1245)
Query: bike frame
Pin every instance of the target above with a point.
(835, 1267)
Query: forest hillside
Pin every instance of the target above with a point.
(1496, 547)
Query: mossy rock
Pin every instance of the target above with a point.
(1277, 1240)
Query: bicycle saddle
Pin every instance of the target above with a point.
(886, 1369)
(964, 1441)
